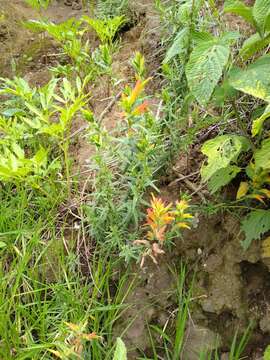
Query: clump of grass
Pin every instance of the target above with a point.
(42, 289)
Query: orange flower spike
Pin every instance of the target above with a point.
(136, 92)
(141, 109)
(138, 89)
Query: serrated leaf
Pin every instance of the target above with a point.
(242, 190)
(262, 156)
(120, 351)
(253, 45)
(222, 177)
(255, 225)
(258, 123)
(205, 68)
(255, 79)
(201, 36)
(229, 37)
(221, 152)
(179, 45)
(239, 8)
(260, 12)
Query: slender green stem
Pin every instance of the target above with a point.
(242, 126)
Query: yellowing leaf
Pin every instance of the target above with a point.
(89, 337)
(242, 191)
(73, 327)
(183, 225)
(56, 353)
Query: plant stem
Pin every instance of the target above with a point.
(66, 159)
(242, 126)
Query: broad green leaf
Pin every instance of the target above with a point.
(179, 45)
(40, 158)
(222, 177)
(266, 355)
(262, 156)
(255, 79)
(260, 12)
(201, 36)
(205, 68)
(238, 7)
(221, 152)
(253, 45)
(120, 351)
(258, 123)
(255, 224)
(229, 37)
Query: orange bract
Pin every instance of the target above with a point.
(141, 109)
(158, 217)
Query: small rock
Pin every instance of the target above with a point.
(265, 323)
(198, 340)
(225, 356)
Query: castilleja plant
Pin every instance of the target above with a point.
(161, 220)
(132, 102)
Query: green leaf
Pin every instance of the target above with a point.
(266, 355)
(201, 36)
(258, 123)
(186, 8)
(255, 225)
(253, 45)
(239, 8)
(223, 92)
(12, 112)
(222, 177)
(260, 12)
(255, 79)
(221, 152)
(229, 37)
(179, 45)
(2, 245)
(205, 68)
(262, 156)
(120, 351)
